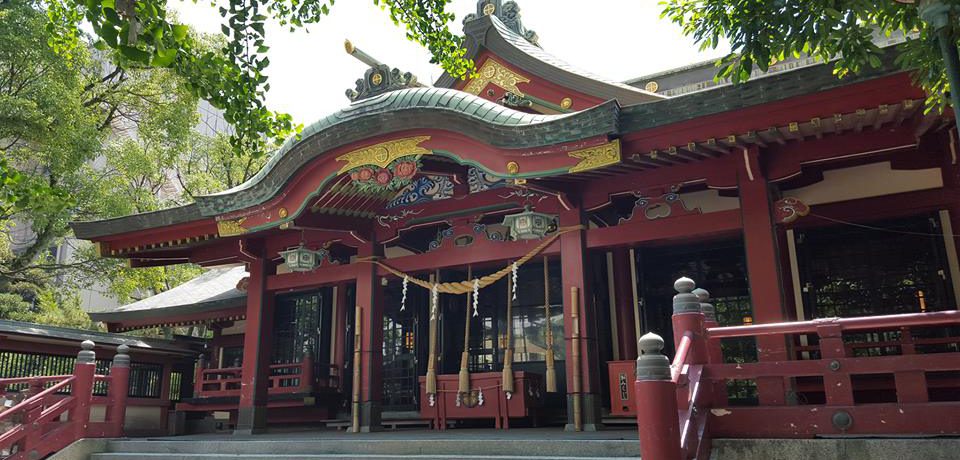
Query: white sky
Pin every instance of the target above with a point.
(309, 70)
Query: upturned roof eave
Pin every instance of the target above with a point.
(487, 32)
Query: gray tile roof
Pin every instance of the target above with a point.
(186, 346)
(214, 290)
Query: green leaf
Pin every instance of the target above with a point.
(109, 4)
(109, 35)
(180, 32)
(164, 58)
(135, 54)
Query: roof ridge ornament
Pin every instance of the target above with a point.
(508, 13)
(379, 78)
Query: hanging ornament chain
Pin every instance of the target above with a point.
(476, 296)
(403, 297)
(514, 268)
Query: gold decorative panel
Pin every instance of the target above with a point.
(499, 75)
(596, 157)
(384, 153)
(227, 228)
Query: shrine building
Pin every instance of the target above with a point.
(487, 252)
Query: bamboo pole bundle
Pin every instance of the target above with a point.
(575, 352)
(432, 355)
(507, 377)
(357, 320)
(551, 367)
(464, 377)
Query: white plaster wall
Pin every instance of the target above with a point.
(865, 181)
(709, 201)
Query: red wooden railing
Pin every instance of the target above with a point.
(284, 379)
(698, 377)
(55, 410)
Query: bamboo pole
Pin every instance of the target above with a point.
(357, 321)
(432, 358)
(575, 352)
(551, 367)
(507, 377)
(464, 377)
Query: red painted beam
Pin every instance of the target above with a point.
(783, 161)
(672, 228)
(937, 318)
(889, 90)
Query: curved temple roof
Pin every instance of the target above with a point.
(410, 109)
(492, 34)
(432, 108)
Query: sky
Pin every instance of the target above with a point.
(310, 71)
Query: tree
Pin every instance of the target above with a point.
(234, 79)
(96, 140)
(761, 32)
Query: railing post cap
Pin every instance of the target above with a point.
(122, 358)
(86, 354)
(709, 312)
(702, 294)
(685, 301)
(684, 284)
(652, 364)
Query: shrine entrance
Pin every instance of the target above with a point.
(475, 340)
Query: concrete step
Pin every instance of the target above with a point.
(375, 449)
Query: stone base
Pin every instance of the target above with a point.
(251, 420)
(370, 420)
(590, 412)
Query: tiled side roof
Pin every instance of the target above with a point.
(186, 347)
(216, 289)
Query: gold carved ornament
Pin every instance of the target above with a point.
(596, 157)
(499, 75)
(384, 153)
(227, 228)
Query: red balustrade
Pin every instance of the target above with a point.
(35, 426)
(698, 377)
(284, 379)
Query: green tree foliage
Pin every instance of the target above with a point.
(233, 78)
(761, 32)
(84, 137)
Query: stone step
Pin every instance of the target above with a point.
(377, 448)
(172, 456)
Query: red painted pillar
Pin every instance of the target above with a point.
(656, 399)
(257, 341)
(573, 258)
(119, 388)
(626, 311)
(82, 388)
(369, 303)
(763, 267)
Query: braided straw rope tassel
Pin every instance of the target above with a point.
(464, 377)
(551, 367)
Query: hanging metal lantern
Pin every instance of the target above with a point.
(300, 259)
(529, 224)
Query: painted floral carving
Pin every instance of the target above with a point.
(396, 175)
(384, 177)
(405, 169)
